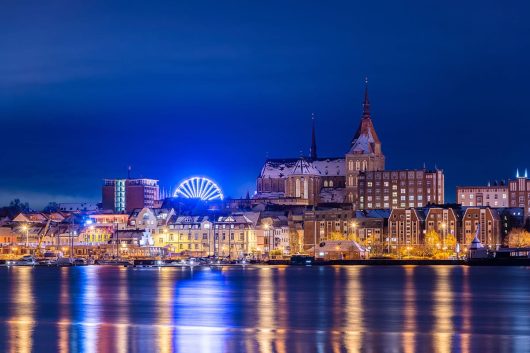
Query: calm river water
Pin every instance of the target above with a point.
(265, 309)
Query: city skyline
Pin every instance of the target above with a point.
(179, 90)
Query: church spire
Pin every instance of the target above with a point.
(313, 149)
(366, 103)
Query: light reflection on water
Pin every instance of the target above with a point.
(265, 309)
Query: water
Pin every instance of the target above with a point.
(265, 309)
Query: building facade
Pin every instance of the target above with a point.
(486, 221)
(125, 195)
(519, 193)
(400, 188)
(489, 195)
(358, 180)
(365, 153)
(404, 228)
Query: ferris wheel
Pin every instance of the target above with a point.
(199, 188)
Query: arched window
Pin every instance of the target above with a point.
(350, 180)
(297, 190)
(364, 165)
(331, 183)
(325, 183)
(350, 165)
(350, 197)
(357, 165)
(306, 189)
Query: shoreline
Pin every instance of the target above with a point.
(375, 262)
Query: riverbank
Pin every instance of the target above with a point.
(369, 262)
(415, 262)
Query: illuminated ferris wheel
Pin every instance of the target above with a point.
(199, 188)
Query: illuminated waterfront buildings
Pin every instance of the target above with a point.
(124, 195)
(358, 180)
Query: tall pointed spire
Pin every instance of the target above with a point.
(313, 149)
(366, 103)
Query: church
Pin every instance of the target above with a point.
(358, 179)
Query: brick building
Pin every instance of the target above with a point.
(400, 188)
(489, 222)
(519, 193)
(357, 181)
(365, 153)
(405, 227)
(125, 195)
(489, 195)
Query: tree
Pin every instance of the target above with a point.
(337, 236)
(432, 244)
(15, 207)
(517, 238)
(52, 207)
(295, 242)
(450, 243)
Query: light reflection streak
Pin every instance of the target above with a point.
(22, 322)
(91, 308)
(354, 328)
(443, 298)
(123, 313)
(409, 311)
(465, 338)
(64, 312)
(165, 311)
(204, 308)
(266, 311)
(280, 318)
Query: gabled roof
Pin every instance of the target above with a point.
(304, 167)
(365, 138)
(281, 168)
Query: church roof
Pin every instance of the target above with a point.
(304, 167)
(281, 168)
(365, 138)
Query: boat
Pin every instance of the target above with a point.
(27, 260)
(115, 262)
(302, 260)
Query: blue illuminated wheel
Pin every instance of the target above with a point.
(199, 188)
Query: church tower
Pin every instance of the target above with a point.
(365, 153)
(313, 149)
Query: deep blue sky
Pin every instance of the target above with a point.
(211, 87)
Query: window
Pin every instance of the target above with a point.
(297, 188)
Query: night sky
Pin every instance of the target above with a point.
(179, 88)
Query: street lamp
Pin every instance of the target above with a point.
(25, 228)
(444, 226)
(353, 226)
(266, 227)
